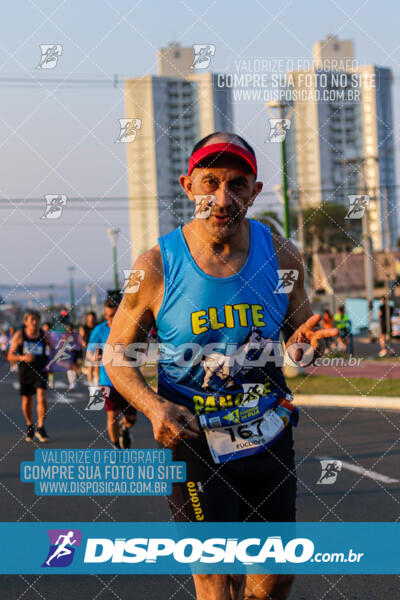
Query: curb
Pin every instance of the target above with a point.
(322, 400)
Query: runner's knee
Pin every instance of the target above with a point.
(219, 587)
(275, 587)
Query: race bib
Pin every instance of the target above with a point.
(35, 348)
(246, 430)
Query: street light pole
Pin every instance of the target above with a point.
(359, 164)
(113, 235)
(72, 293)
(281, 106)
(286, 220)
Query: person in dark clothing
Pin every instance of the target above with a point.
(28, 350)
(383, 325)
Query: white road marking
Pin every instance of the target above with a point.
(61, 399)
(371, 474)
(58, 384)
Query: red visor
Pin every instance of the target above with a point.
(218, 150)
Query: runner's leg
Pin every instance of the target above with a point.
(113, 425)
(268, 587)
(27, 409)
(41, 406)
(219, 587)
(128, 420)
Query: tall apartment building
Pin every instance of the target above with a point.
(177, 107)
(343, 142)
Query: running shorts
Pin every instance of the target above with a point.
(29, 382)
(114, 401)
(260, 488)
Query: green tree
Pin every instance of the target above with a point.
(326, 229)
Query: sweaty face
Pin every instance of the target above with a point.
(234, 189)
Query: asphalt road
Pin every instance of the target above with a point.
(362, 438)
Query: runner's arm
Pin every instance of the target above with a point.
(12, 355)
(131, 324)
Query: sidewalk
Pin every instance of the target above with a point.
(369, 369)
(332, 401)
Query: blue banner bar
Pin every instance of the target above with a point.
(185, 548)
(76, 472)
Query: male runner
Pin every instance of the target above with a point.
(28, 350)
(213, 283)
(115, 404)
(85, 332)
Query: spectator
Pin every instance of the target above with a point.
(342, 322)
(383, 325)
(85, 330)
(327, 323)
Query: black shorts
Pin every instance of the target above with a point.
(29, 383)
(261, 487)
(383, 327)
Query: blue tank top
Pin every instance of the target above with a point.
(216, 333)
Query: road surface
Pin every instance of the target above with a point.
(362, 438)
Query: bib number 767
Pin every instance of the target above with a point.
(244, 431)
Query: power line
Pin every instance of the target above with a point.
(87, 200)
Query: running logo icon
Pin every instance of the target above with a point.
(133, 280)
(330, 470)
(278, 129)
(97, 395)
(63, 543)
(50, 55)
(128, 130)
(287, 279)
(203, 54)
(54, 206)
(357, 205)
(204, 204)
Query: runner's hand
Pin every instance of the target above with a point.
(307, 334)
(172, 423)
(28, 358)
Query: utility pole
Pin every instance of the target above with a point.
(359, 162)
(388, 280)
(113, 236)
(72, 293)
(51, 297)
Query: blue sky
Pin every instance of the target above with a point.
(60, 140)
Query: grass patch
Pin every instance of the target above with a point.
(323, 384)
(354, 386)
